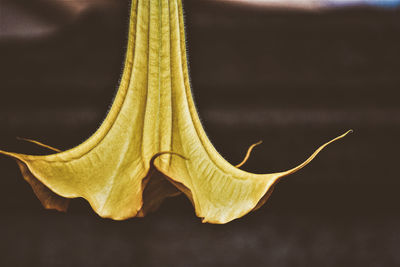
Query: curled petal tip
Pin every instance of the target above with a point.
(155, 156)
(309, 159)
(246, 158)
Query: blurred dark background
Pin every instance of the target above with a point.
(292, 77)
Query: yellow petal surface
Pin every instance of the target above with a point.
(152, 113)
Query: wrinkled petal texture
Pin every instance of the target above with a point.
(152, 112)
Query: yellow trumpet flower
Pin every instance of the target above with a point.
(151, 144)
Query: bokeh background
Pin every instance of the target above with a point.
(293, 74)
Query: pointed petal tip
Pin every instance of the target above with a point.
(348, 132)
(5, 153)
(39, 144)
(309, 159)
